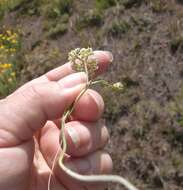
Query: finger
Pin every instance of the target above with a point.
(59, 72)
(54, 185)
(42, 172)
(14, 163)
(92, 100)
(89, 107)
(97, 186)
(96, 163)
(85, 137)
(82, 138)
(104, 58)
(49, 150)
(34, 106)
(49, 144)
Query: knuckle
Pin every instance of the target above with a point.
(36, 91)
(32, 92)
(42, 90)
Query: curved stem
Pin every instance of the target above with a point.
(63, 121)
(97, 178)
(87, 178)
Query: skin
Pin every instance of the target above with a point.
(29, 131)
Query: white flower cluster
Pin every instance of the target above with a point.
(118, 86)
(82, 60)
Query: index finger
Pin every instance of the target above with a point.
(103, 58)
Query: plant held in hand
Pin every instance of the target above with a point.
(82, 60)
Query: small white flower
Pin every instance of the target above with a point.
(118, 86)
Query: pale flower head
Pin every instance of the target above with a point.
(118, 86)
(82, 60)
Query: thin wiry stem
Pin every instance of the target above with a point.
(97, 178)
(52, 168)
(87, 178)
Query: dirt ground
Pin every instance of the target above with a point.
(146, 121)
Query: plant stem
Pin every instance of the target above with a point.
(86, 178)
(97, 178)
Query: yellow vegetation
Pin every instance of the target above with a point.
(9, 45)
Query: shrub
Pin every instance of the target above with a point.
(10, 4)
(58, 30)
(6, 5)
(158, 6)
(176, 44)
(176, 36)
(129, 3)
(104, 4)
(56, 27)
(55, 8)
(56, 15)
(118, 28)
(9, 45)
(91, 18)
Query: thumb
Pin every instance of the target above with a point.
(23, 113)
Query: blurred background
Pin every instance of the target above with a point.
(146, 38)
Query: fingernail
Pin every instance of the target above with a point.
(81, 166)
(73, 80)
(104, 135)
(98, 100)
(74, 136)
(80, 137)
(110, 56)
(106, 164)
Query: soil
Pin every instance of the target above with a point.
(146, 121)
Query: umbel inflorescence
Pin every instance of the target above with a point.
(82, 60)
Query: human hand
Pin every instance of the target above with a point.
(29, 131)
